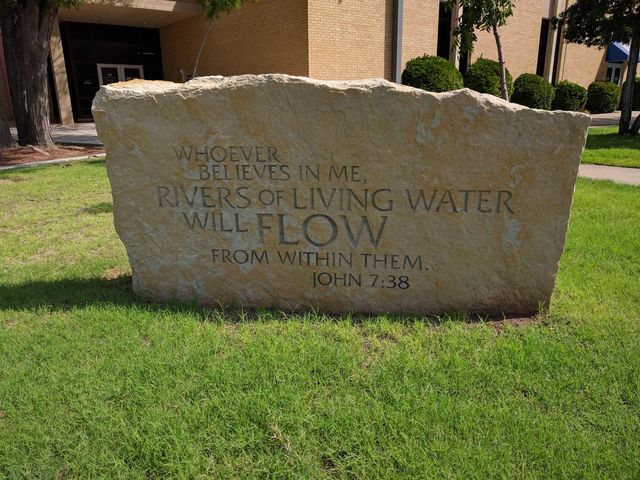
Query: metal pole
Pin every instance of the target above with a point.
(398, 12)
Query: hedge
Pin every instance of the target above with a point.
(434, 74)
(484, 77)
(569, 96)
(603, 97)
(533, 91)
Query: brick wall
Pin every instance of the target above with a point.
(350, 39)
(520, 38)
(269, 36)
(581, 64)
(420, 29)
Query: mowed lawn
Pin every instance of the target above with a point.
(96, 383)
(606, 147)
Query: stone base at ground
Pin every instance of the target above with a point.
(286, 192)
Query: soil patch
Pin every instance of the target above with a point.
(20, 155)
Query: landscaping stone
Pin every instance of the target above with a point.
(286, 192)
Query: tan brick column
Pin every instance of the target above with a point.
(60, 76)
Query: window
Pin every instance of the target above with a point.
(542, 46)
(613, 72)
(444, 31)
(111, 73)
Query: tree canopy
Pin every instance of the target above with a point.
(599, 22)
(483, 15)
(214, 8)
(44, 4)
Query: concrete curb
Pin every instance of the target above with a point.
(73, 143)
(625, 175)
(52, 162)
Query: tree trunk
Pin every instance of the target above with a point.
(6, 140)
(204, 40)
(635, 127)
(627, 92)
(503, 68)
(26, 30)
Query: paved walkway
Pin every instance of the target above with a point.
(85, 133)
(630, 176)
(609, 119)
(51, 162)
(78, 134)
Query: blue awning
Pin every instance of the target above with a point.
(618, 52)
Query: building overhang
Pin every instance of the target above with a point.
(618, 52)
(131, 13)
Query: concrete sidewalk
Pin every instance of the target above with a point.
(55, 161)
(83, 134)
(609, 119)
(629, 176)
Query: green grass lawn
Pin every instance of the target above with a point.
(606, 147)
(96, 383)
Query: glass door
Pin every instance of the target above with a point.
(112, 73)
(613, 73)
(108, 74)
(130, 72)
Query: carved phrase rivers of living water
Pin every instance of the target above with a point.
(277, 191)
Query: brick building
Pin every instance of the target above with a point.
(100, 43)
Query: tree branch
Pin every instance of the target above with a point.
(204, 40)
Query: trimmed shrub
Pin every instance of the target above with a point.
(533, 91)
(603, 97)
(569, 96)
(434, 74)
(484, 77)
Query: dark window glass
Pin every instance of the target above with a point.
(616, 76)
(542, 46)
(444, 31)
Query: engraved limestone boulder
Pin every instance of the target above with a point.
(286, 192)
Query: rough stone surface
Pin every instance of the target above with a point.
(277, 191)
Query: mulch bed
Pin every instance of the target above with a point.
(20, 155)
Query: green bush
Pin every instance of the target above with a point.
(603, 97)
(569, 96)
(533, 91)
(434, 74)
(484, 77)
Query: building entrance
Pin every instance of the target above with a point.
(97, 55)
(112, 73)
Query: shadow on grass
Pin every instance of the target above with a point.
(102, 207)
(66, 294)
(612, 140)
